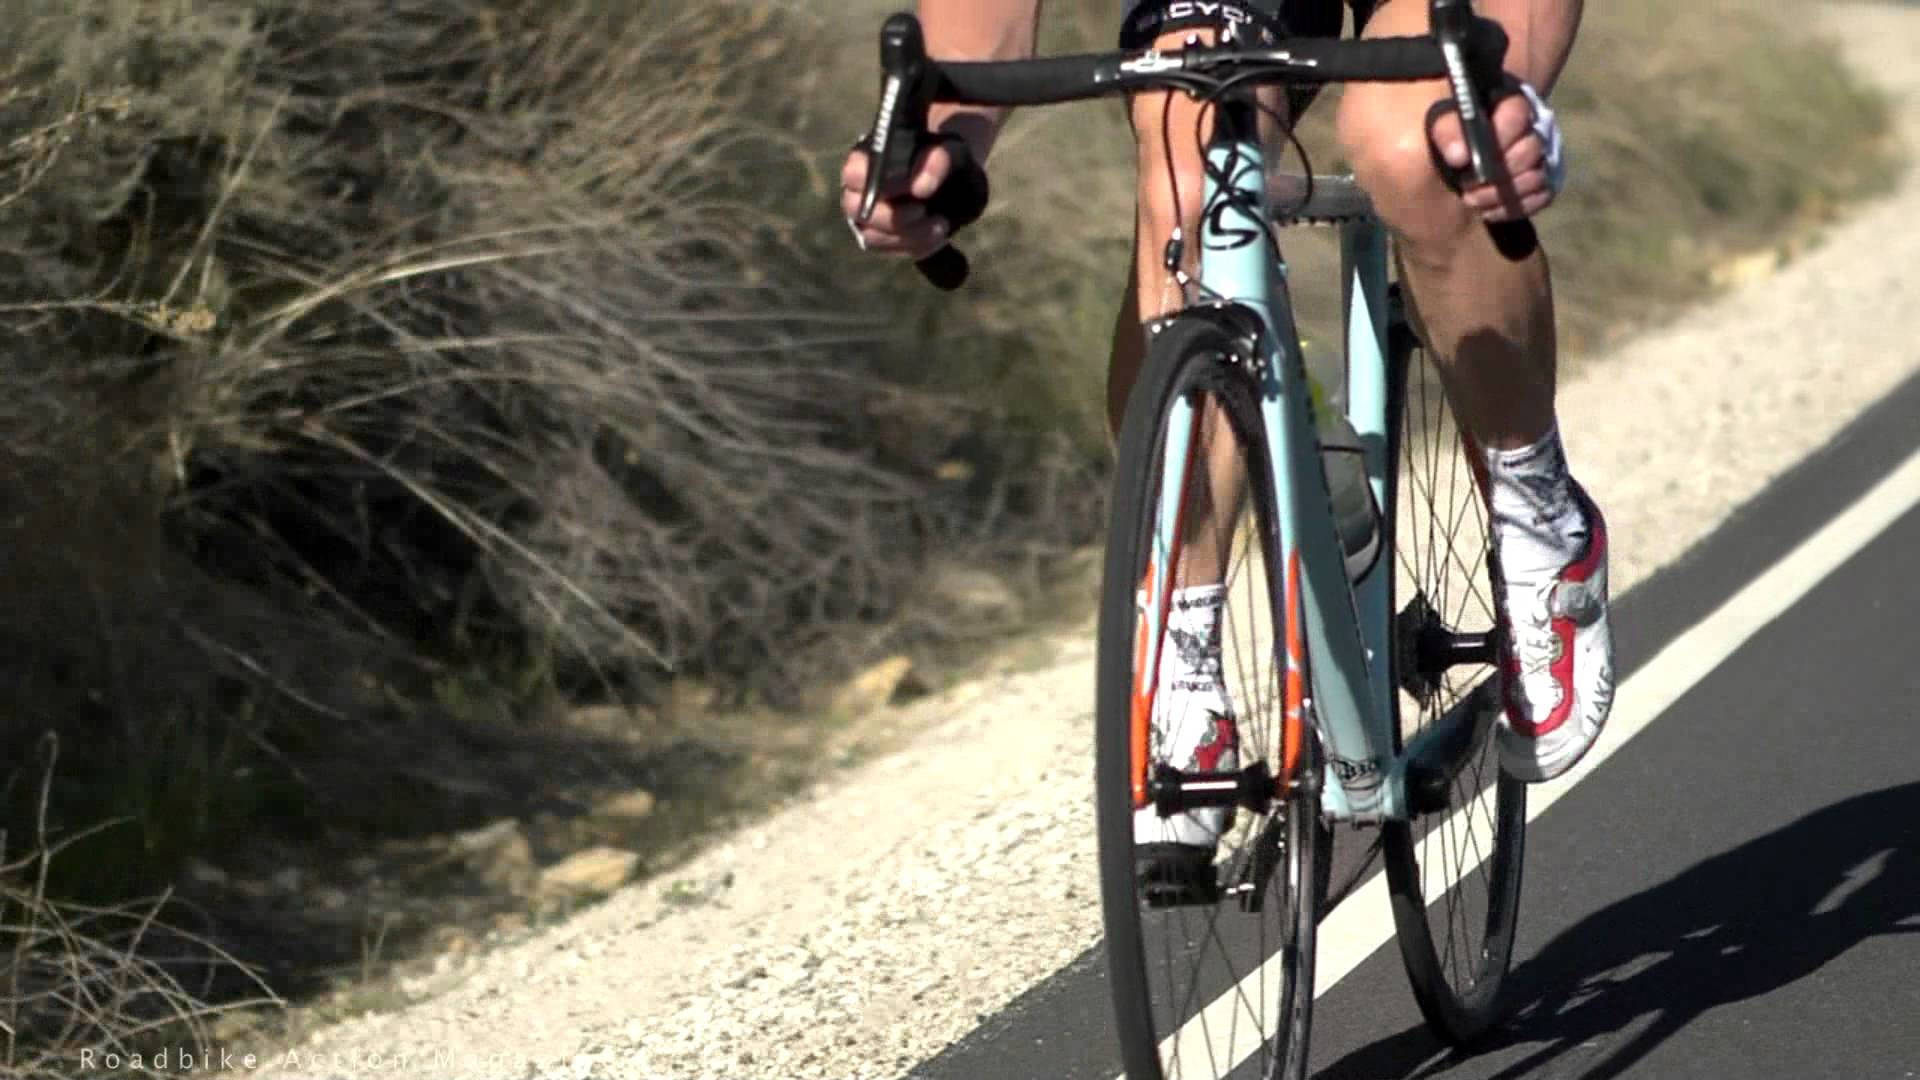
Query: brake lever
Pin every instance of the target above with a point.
(1472, 74)
(905, 96)
(899, 135)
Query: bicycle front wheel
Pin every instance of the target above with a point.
(1211, 968)
(1454, 874)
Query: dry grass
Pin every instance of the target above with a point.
(377, 373)
(1753, 135)
(96, 990)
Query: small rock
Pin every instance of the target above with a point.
(873, 687)
(596, 871)
(635, 805)
(692, 696)
(612, 720)
(287, 879)
(971, 594)
(499, 855)
(1743, 269)
(331, 898)
(206, 873)
(231, 1024)
(788, 973)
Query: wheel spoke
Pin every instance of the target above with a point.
(1458, 861)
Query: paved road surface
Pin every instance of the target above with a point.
(1735, 893)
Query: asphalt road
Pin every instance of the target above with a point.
(1734, 893)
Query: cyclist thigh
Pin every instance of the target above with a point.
(1382, 127)
(1170, 129)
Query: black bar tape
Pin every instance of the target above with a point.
(1044, 81)
(1392, 59)
(946, 269)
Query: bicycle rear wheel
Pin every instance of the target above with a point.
(1454, 874)
(1212, 971)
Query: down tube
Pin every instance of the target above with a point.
(1236, 261)
(1363, 267)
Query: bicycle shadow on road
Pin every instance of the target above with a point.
(1605, 993)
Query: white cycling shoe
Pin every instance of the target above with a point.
(1558, 661)
(1194, 731)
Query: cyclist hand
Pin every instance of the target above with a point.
(1529, 136)
(900, 222)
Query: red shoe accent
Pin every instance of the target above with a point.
(1580, 571)
(1226, 739)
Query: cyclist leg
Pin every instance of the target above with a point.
(1489, 321)
(1170, 130)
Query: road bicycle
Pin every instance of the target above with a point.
(1360, 643)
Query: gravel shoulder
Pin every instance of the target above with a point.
(872, 923)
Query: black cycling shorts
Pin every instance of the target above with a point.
(1144, 20)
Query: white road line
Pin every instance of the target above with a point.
(1364, 921)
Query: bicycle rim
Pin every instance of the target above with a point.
(1454, 875)
(1208, 987)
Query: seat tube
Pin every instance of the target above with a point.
(1363, 268)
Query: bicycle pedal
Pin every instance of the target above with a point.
(1175, 875)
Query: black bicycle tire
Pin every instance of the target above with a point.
(1460, 1020)
(1183, 353)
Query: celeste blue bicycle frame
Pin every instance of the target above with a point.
(1349, 625)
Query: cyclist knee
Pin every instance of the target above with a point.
(1169, 132)
(1384, 135)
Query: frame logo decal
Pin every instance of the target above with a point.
(1355, 775)
(1230, 237)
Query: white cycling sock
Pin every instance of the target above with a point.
(1191, 663)
(1537, 524)
(1193, 715)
